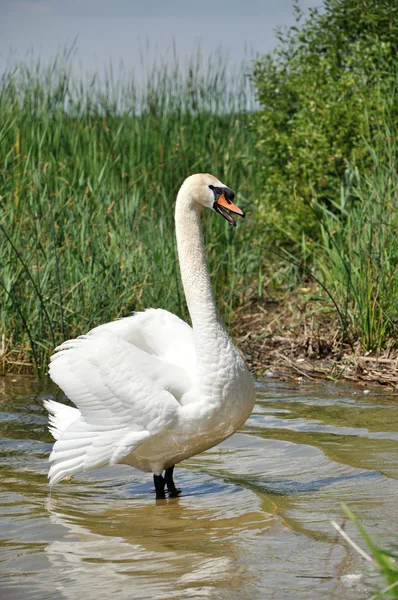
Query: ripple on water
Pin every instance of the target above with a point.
(253, 520)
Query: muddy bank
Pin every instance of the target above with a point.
(285, 338)
(288, 337)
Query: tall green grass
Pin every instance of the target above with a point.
(356, 257)
(89, 173)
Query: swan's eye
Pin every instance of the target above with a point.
(223, 191)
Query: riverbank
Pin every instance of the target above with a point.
(284, 338)
(292, 338)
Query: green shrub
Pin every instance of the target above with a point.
(320, 93)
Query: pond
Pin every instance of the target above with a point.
(254, 520)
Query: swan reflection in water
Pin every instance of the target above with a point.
(139, 549)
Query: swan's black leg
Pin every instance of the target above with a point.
(159, 482)
(168, 478)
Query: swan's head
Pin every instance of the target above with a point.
(208, 191)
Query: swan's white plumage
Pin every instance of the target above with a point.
(110, 380)
(150, 390)
(152, 330)
(60, 416)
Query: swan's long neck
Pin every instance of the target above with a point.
(221, 375)
(212, 344)
(193, 265)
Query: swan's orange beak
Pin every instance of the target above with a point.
(222, 203)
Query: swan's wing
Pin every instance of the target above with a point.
(122, 394)
(157, 332)
(108, 378)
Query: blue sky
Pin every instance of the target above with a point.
(114, 30)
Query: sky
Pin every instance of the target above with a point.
(115, 30)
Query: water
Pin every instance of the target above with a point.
(253, 521)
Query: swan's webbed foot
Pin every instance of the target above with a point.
(166, 481)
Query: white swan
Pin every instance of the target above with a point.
(150, 390)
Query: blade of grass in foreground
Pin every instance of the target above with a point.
(385, 560)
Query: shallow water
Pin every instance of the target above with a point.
(253, 520)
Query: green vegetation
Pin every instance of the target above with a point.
(90, 169)
(88, 184)
(385, 560)
(327, 135)
(321, 93)
(357, 254)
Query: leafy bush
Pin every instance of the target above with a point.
(320, 92)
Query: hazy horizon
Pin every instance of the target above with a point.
(135, 33)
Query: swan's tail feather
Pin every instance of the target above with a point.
(59, 471)
(69, 449)
(60, 416)
(82, 447)
(75, 451)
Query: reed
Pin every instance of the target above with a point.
(90, 168)
(356, 257)
(90, 171)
